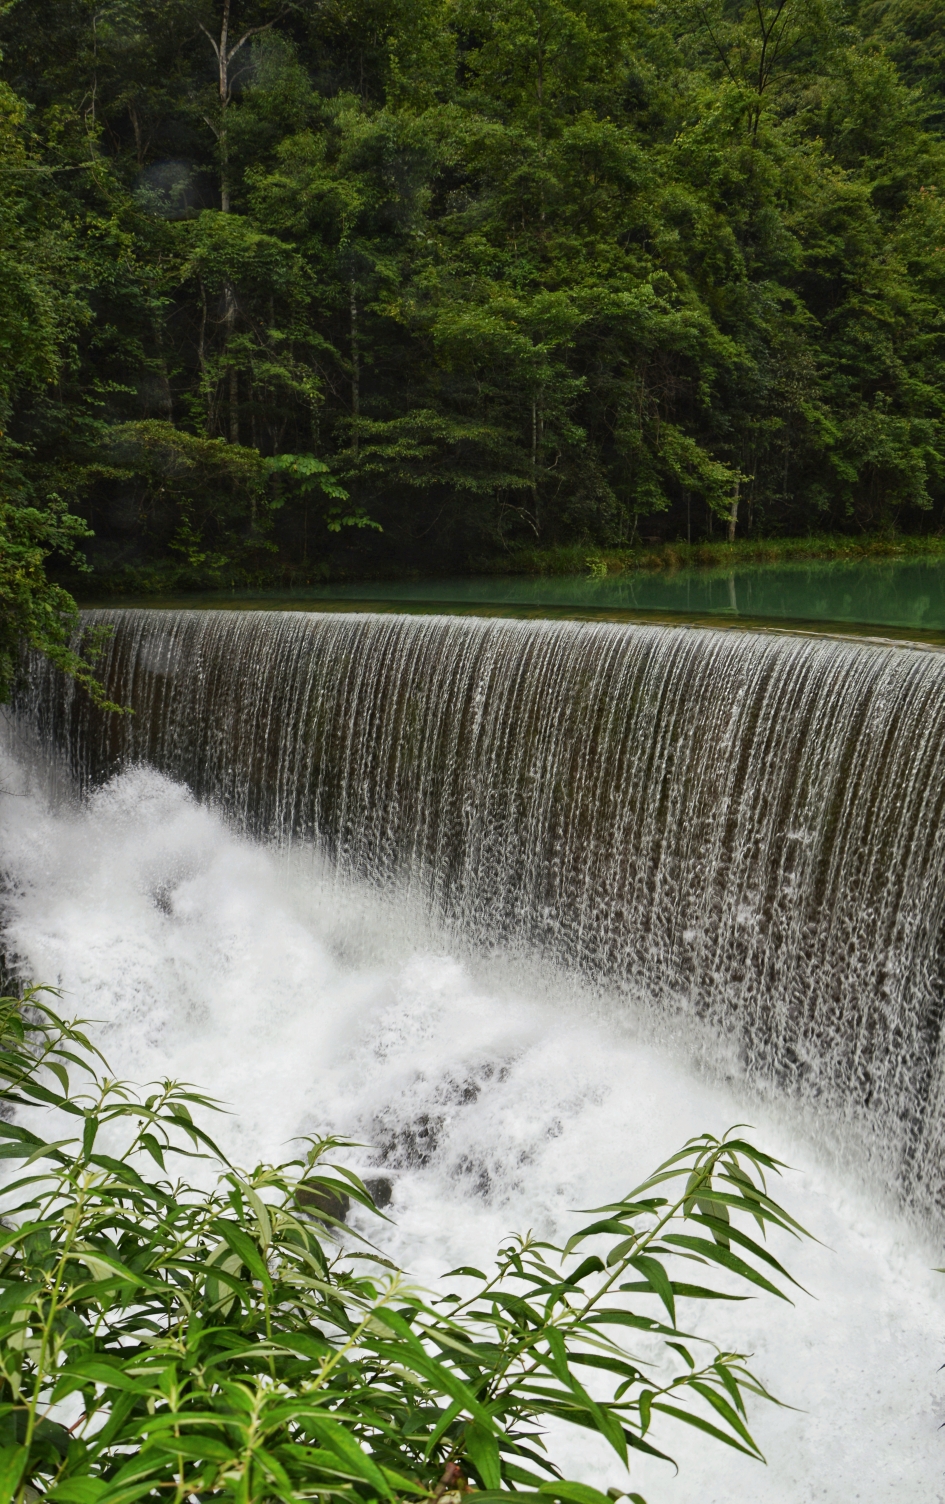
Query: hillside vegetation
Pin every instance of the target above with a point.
(291, 288)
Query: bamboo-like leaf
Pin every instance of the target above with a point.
(483, 1449)
(573, 1493)
(447, 1418)
(658, 1280)
(47, 1151)
(727, 1412)
(591, 1265)
(196, 1447)
(97, 1371)
(607, 1224)
(155, 1150)
(692, 1292)
(103, 1266)
(78, 1491)
(438, 1373)
(262, 1213)
(13, 1461)
(342, 1443)
(697, 1421)
(244, 1248)
(724, 1256)
(616, 1317)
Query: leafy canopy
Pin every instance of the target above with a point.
(559, 272)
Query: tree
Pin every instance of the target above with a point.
(551, 273)
(36, 314)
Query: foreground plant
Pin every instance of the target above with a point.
(161, 1340)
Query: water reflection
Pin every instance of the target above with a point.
(902, 593)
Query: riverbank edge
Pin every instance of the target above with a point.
(721, 555)
(575, 558)
(172, 578)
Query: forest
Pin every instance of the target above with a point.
(295, 290)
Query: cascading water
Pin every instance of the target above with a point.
(726, 840)
(744, 831)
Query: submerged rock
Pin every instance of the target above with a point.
(322, 1202)
(380, 1190)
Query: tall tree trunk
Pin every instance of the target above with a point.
(535, 464)
(225, 54)
(355, 373)
(233, 399)
(234, 405)
(733, 514)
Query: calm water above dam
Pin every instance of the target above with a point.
(900, 594)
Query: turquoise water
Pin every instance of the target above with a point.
(901, 593)
(896, 593)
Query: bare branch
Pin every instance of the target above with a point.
(210, 39)
(254, 31)
(707, 24)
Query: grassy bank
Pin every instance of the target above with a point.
(586, 558)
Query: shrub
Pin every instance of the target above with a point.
(158, 1340)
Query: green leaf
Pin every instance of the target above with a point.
(615, 1317)
(128, 1493)
(154, 1148)
(98, 1371)
(591, 1265)
(735, 1235)
(693, 1292)
(608, 1224)
(658, 1280)
(703, 1425)
(244, 1248)
(104, 1265)
(573, 1493)
(443, 1378)
(89, 1131)
(724, 1409)
(729, 1260)
(483, 1449)
(197, 1447)
(446, 1419)
(12, 1464)
(61, 1075)
(78, 1491)
(343, 1444)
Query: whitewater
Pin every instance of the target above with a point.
(493, 1093)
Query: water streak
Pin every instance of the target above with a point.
(745, 830)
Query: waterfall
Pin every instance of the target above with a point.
(742, 832)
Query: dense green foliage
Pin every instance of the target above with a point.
(496, 276)
(34, 612)
(36, 318)
(579, 558)
(160, 1340)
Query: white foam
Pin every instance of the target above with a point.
(310, 1007)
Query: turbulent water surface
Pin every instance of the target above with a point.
(743, 833)
(497, 1101)
(521, 906)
